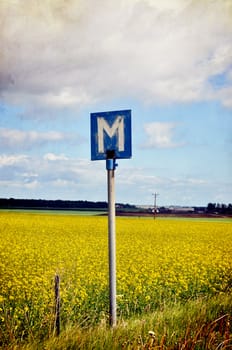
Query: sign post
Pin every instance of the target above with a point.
(110, 140)
(110, 165)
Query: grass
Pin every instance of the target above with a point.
(200, 219)
(198, 324)
(83, 212)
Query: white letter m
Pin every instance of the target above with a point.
(118, 126)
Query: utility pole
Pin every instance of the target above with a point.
(155, 196)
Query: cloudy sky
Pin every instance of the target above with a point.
(169, 61)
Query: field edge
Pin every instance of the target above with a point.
(196, 324)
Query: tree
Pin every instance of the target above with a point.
(211, 207)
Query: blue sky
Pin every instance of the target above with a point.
(170, 62)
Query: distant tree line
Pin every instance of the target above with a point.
(219, 208)
(12, 203)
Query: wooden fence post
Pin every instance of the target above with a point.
(57, 304)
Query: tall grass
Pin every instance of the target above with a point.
(203, 324)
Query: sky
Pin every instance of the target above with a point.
(169, 62)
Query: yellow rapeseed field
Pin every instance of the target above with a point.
(158, 261)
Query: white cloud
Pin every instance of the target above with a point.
(196, 181)
(160, 135)
(12, 160)
(140, 183)
(62, 183)
(58, 54)
(54, 157)
(14, 138)
(31, 184)
(50, 171)
(225, 93)
(29, 175)
(39, 177)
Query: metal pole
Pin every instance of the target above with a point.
(110, 165)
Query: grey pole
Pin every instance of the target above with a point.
(110, 165)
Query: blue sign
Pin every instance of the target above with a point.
(110, 135)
